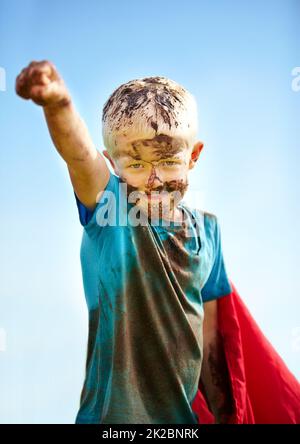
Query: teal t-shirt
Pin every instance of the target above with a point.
(144, 287)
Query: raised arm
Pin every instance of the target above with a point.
(41, 82)
(214, 373)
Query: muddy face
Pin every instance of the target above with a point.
(171, 194)
(155, 172)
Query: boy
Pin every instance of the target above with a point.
(151, 282)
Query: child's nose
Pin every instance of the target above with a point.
(153, 179)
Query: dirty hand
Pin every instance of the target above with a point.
(41, 83)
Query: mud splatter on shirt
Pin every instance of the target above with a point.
(144, 288)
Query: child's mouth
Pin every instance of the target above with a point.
(155, 197)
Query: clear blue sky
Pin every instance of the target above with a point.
(236, 58)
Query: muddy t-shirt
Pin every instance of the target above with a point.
(145, 285)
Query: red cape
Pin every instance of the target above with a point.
(264, 390)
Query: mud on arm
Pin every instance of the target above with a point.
(41, 83)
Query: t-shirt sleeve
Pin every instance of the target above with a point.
(217, 284)
(85, 214)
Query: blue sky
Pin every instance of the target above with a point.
(237, 59)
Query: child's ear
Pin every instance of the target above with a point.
(195, 153)
(108, 156)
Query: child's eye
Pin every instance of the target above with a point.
(136, 166)
(169, 163)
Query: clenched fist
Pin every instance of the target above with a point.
(41, 83)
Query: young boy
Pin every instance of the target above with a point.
(152, 267)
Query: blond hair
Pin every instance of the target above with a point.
(145, 108)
